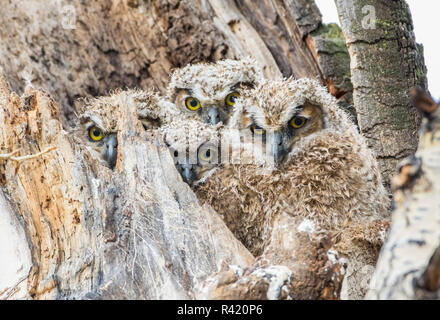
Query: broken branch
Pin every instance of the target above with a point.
(10, 156)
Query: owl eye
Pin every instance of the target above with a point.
(192, 103)
(206, 155)
(257, 130)
(231, 98)
(298, 122)
(95, 133)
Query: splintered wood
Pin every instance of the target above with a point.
(137, 232)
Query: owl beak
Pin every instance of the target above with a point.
(279, 150)
(112, 150)
(213, 115)
(187, 172)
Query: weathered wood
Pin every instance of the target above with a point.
(74, 49)
(408, 266)
(385, 63)
(300, 263)
(16, 260)
(136, 232)
(279, 25)
(242, 36)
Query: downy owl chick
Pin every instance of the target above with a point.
(194, 146)
(208, 91)
(323, 169)
(99, 118)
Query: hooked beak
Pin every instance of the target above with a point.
(187, 172)
(213, 115)
(278, 148)
(111, 153)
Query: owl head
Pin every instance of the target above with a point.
(194, 146)
(100, 119)
(105, 143)
(208, 91)
(286, 112)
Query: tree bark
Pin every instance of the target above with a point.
(385, 63)
(133, 233)
(15, 253)
(138, 232)
(75, 49)
(409, 263)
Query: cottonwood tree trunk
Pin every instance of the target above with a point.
(138, 231)
(409, 264)
(385, 63)
(75, 48)
(135, 232)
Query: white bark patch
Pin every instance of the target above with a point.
(15, 258)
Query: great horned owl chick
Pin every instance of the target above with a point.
(324, 171)
(194, 146)
(99, 118)
(208, 91)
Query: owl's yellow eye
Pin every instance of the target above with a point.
(257, 130)
(298, 122)
(192, 103)
(95, 133)
(206, 155)
(231, 98)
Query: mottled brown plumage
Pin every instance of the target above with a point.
(326, 177)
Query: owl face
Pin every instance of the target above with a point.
(193, 172)
(281, 113)
(208, 92)
(194, 147)
(210, 107)
(105, 144)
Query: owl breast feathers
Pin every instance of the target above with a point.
(323, 169)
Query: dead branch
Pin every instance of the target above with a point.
(10, 156)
